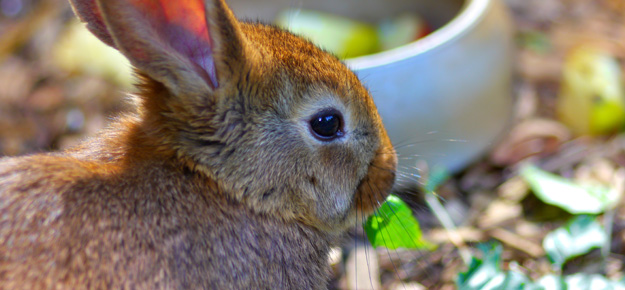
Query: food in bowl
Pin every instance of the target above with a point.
(346, 37)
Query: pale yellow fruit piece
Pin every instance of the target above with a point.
(591, 99)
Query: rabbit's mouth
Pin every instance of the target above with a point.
(376, 185)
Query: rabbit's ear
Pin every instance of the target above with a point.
(88, 12)
(188, 45)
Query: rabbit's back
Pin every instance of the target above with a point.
(70, 222)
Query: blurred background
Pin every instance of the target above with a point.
(58, 85)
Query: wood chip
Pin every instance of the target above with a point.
(511, 239)
(499, 212)
(466, 234)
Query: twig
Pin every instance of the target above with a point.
(443, 217)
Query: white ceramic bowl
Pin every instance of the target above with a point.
(444, 98)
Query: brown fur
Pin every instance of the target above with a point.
(214, 188)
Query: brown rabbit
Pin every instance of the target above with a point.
(250, 154)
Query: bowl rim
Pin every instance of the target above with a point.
(470, 14)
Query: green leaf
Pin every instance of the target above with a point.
(548, 282)
(576, 238)
(486, 273)
(393, 226)
(508, 280)
(580, 281)
(574, 198)
(481, 270)
(584, 281)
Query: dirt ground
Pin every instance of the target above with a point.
(44, 106)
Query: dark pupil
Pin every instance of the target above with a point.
(326, 126)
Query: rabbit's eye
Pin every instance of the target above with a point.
(327, 125)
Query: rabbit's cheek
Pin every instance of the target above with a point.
(333, 209)
(341, 204)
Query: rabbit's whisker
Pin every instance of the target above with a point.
(417, 141)
(395, 269)
(364, 219)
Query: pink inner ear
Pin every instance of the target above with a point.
(182, 25)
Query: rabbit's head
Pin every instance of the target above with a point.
(277, 123)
